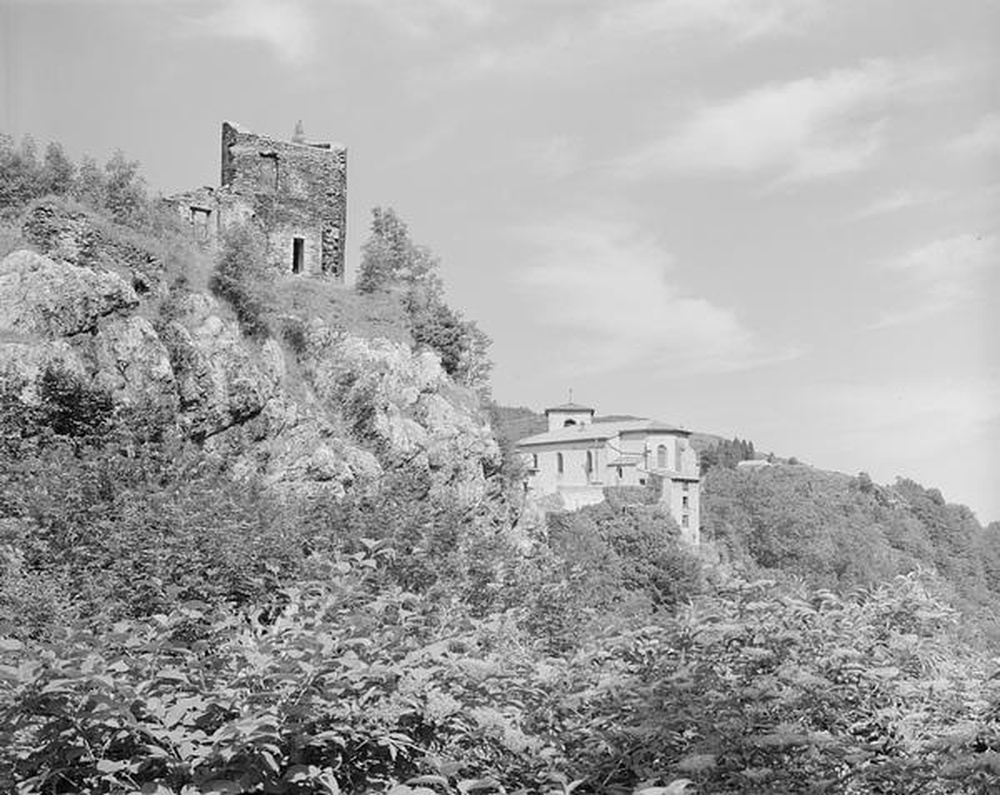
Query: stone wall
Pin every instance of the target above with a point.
(297, 190)
(289, 190)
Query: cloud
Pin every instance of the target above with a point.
(983, 139)
(576, 35)
(554, 157)
(741, 19)
(894, 202)
(423, 18)
(943, 274)
(909, 428)
(606, 289)
(286, 28)
(803, 129)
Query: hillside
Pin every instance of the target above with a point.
(326, 404)
(837, 531)
(260, 535)
(829, 529)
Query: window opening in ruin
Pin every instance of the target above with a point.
(684, 502)
(199, 220)
(269, 171)
(298, 254)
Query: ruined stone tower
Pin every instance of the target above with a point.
(294, 192)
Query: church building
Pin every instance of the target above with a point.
(578, 458)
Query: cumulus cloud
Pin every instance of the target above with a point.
(941, 275)
(802, 129)
(983, 139)
(609, 291)
(285, 27)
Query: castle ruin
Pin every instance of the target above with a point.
(294, 192)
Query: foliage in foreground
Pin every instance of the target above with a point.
(352, 685)
(164, 628)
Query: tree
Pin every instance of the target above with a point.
(91, 184)
(391, 259)
(20, 175)
(58, 171)
(126, 193)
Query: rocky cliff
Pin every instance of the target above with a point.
(331, 416)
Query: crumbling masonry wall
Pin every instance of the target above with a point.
(294, 192)
(299, 190)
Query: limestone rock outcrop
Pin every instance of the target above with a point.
(39, 296)
(332, 418)
(133, 364)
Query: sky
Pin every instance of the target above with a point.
(772, 219)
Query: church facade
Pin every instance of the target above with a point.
(578, 458)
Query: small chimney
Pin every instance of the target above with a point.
(299, 136)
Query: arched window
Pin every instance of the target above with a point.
(661, 456)
(568, 423)
(559, 463)
(678, 450)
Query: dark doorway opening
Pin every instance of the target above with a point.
(298, 254)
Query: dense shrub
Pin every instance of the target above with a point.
(355, 685)
(241, 278)
(347, 687)
(758, 689)
(626, 545)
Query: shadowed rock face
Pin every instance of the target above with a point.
(360, 406)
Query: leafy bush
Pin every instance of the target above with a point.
(626, 546)
(345, 687)
(240, 279)
(755, 689)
